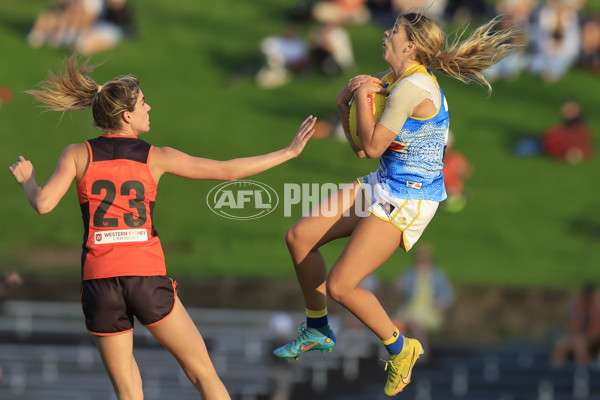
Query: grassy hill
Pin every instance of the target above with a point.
(528, 222)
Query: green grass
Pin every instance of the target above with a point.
(529, 222)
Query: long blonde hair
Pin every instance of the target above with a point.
(74, 90)
(462, 59)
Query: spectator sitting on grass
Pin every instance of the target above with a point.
(330, 49)
(61, 24)
(570, 140)
(283, 54)
(341, 12)
(556, 40)
(518, 15)
(567, 141)
(590, 44)
(114, 23)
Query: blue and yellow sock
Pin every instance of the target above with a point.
(317, 319)
(395, 343)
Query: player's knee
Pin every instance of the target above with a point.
(291, 237)
(296, 240)
(337, 289)
(202, 377)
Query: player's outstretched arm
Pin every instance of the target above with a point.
(169, 160)
(44, 199)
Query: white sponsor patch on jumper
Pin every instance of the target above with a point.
(414, 185)
(121, 236)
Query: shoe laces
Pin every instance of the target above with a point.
(393, 368)
(302, 327)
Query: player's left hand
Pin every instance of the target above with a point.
(306, 130)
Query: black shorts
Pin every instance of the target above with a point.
(109, 304)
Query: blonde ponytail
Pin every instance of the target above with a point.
(462, 59)
(69, 90)
(74, 90)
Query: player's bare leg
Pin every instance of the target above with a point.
(371, 244)
(179, 335)
(334, 218)
(116, 352)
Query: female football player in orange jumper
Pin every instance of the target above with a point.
(123, 265)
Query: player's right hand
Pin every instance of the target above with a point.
(22, 170)
(345, 95)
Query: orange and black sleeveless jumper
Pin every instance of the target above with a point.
(117, 195)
